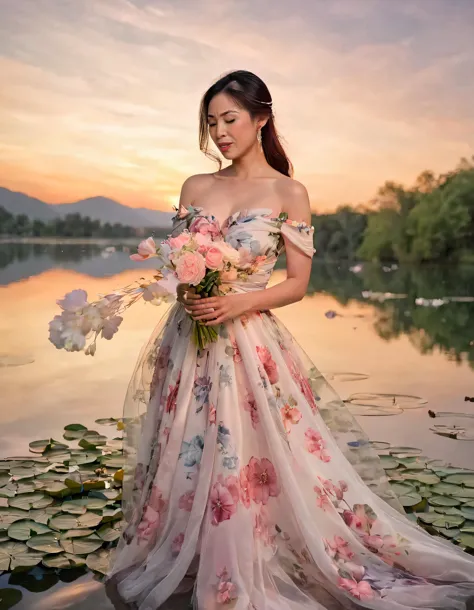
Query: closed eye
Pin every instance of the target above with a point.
(214, 124)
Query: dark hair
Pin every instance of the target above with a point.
(251, 93)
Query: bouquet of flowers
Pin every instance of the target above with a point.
(196, 259)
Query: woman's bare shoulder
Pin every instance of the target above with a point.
(295, 199)
(192, 187)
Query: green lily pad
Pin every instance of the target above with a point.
(76, 533)
(113, 462)
(24, 529)
(99, 561)
(467, 511)
(31, 500)
(4, 478)
(43, 515)
(447, 521)
(9, 597)
(9, 515)
(75, 427)
(443, 471)
(47, 543)
(57, 489)
(450, 510)
(422, 477)
(17, 555)
(466, 540)
(69, 522)
(57, 455)
(111, 531)
(400, 488)
(45, 445)
(461, 479)
(91, 440)
(443, 501)
(107, 421)
(448, 532)
(428, 518)
(62, 560)
(82, 546)
(22, 472)
(388, 462)
(111, 514)
(81, 505)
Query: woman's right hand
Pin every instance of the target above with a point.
(186, 295)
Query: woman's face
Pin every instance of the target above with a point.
(232, 125)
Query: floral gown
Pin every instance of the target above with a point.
(248, 482)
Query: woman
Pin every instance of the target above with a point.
(249, 484)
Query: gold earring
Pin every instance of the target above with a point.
(259, 136)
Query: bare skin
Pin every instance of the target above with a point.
(248, 182)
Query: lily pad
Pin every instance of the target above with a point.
(57, 489)
(9, 597)
(448, 532)
(75, 427)
(24, 529)
(107, 421)
(76, 533)
(99, 562)
(81, 505)
(406, 451)
(17, 555)
(4, 478)
(82, 546)
(428, 517)
(110, 531)
(9, 515)
(46, 445)
(422, 477)
(69, 522)
(31, 500)
(443, 501)
(47, 543)
(466, 540)
(62, 560)
(388, 462)
(447, 521)
(461, 479)
(43, 515)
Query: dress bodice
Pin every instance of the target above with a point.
(257, 232)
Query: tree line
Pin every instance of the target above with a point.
(431, 221)
(71, 225)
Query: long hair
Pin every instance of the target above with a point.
(250, 93)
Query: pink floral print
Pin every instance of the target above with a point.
(186, 501)
(223, 499)
(290, 415)
(263, 480)
(268, 364)
(316, 445)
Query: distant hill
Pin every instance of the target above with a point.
(97, 208)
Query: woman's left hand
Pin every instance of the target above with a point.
(224, 308)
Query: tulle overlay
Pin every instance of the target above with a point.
(248, 480)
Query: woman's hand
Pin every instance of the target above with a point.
(211, 311)
(186, 295)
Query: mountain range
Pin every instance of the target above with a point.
(97, 208)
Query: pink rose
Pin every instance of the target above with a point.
(226, 591)
(190, 268)
(176, 243)
(214, 258)
(204, 226)
(146, 249)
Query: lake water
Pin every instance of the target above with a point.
(368, 344)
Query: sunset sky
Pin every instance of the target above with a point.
(101, 97)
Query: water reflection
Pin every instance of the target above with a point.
(448, 328)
